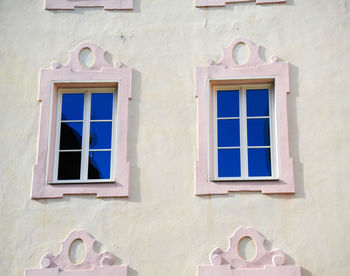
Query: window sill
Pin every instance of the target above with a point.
(95, 181)
(236, 180)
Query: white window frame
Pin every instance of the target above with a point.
(243, 132)
(85, 137)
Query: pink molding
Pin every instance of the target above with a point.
(265, 263)
(219, 3)
(72, 4)
(100, 74)
(226, 71)
(93, 264)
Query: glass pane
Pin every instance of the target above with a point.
(100, 135)
(101, 106)
(229, 163)
(71, 136)
(69, 165)
(228, 133)
(228, 103)
(258, 132)
(72, 106)
(99, 164)
(259, 162)
(257, 102)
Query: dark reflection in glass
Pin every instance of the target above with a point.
(258, 132)
(257, 102)
(229, 163)
(71, 136)
(101, 106)
(228, 133)
(99, 164)
(259, 162)
(100, 135)
(72, 106)
(228, 103)
(69, 165)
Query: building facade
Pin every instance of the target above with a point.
(157, 220)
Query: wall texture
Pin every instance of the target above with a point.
(163, 228)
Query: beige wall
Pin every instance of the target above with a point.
(163, 229)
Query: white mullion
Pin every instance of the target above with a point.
(244, 135)
(259, 147)
(86, 135)
(57, 137)
(227, 118)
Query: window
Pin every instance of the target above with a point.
(84, 149)
(242, 124)
(243, 136)
(208, 3)
(72, 4)
(83, 127)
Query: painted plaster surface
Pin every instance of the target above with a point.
(163, 228)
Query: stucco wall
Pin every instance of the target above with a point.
(163, 228)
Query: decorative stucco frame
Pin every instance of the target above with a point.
(93, 264)
(220, 3)
(72, 4)
(226, 71)
(99, 74)
(265, 263)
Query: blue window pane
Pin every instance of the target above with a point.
(72, 106)
(99, 164)
(228, 103)
(100, 135)
(259, 162)
(258, 132)
(229, 163)
(101, 106)
(228, 133)
(71, 136)
(258, 102)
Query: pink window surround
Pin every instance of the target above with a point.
(226, 71)
(219, 3)
(99, 74)
(72, 4)
(93, 264)
(265, 263)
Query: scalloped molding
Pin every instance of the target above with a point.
(72, 4)
(254, 69)
(100, 74)
(93, 264)
(265, 263)
(219, 3)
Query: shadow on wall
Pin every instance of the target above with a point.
(117, 261)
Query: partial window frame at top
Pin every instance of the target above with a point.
(97, 75)
(256, 73)
(72, 4)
